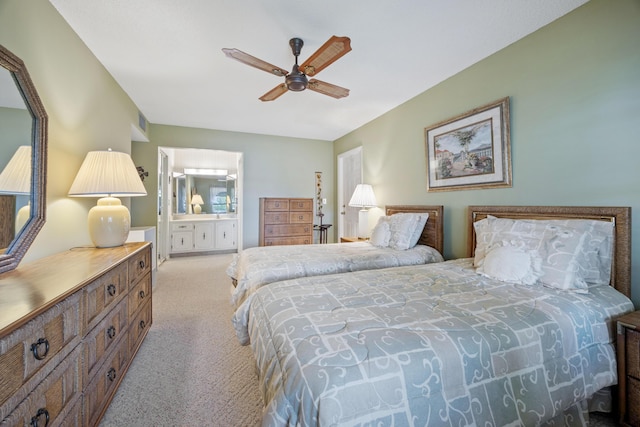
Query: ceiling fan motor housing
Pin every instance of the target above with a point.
(295, 80)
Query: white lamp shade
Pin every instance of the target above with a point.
(363, 197)
(107, 174)
(16, 176)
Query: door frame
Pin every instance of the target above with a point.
(344, 194)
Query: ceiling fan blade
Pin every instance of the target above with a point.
(274, 93)
(327, 89)
(245, 58)
(332, 50)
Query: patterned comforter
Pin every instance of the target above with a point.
(255, 267)
(430, 345)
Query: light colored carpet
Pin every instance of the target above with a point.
(190, 370)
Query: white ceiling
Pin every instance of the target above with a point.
(166, 54)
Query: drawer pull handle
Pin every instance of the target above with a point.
(141, 294)
(141, 264)
(300, 217)
(142, 324)
(111, 332)
(41, 412)
(111, 289)
(111, 374)
(35, 348)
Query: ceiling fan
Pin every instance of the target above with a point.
(296, 80)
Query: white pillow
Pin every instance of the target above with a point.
(510, 264)
(417, 231)
(402, 226)
(572, 251)
(595, 267)
(381, 233)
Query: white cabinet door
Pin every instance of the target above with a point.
(226, 234)
(203, 236)
(181, 241)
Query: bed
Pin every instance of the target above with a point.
(256, 267)
(441, 344)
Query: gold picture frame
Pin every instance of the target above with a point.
(470, 151)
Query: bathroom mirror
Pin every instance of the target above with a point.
(23, 138)
(218, 193)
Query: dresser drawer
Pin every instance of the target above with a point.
(286, 230)
(300, 217)
(276, 218)
(276, 205)
(633, 353)
(278, 241)
(140, 294)
(139, 265)
(97, 394)
(301, 205)
(139, 327)
(43, 341)
(103, 294)
(104, 337)
(57, 397)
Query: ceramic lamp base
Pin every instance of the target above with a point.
(109, 223)
(363, 224)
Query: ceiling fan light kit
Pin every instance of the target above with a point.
(296, 80)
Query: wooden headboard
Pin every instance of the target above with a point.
(433, 233)
(620, 216)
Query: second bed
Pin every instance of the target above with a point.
(256, 267)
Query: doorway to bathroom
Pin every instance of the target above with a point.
(201, 187)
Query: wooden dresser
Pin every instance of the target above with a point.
(285, 221)
(70, 325)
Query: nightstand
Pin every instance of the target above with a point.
(350, 239)
(629, 368)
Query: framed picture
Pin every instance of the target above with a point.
(470, 151)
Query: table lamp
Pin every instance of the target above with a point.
(108, 175)
(15, 179)
(196, 201)
(364, 198)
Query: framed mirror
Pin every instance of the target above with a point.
(23, 148)
(218, 193)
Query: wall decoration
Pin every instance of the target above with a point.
(470, 151)
(319, 195)
(143, 174)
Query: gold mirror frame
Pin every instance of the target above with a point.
(16, 250)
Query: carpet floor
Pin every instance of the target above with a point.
(190, 369)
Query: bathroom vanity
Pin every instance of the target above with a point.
(192, 234)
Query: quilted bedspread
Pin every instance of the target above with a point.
(255, 267)
(429, 345)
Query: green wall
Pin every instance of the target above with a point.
(575, 114)
(87, 111)
(273, 167)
